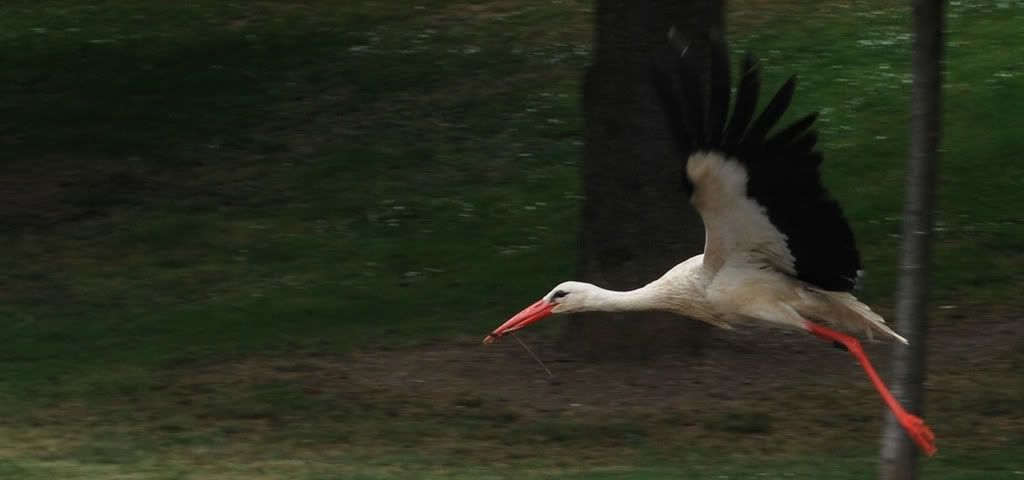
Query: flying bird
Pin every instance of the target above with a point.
(778, 249)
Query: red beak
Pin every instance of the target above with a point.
(529, 315)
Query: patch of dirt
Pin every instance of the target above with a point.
(506, 374)
(756, 390)
(735, 364)
(45, 192)
(750, 370)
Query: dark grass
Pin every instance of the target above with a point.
(191, 184)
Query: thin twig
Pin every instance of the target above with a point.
(535, 357)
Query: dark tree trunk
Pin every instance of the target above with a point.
(899, 455)
(637, 222)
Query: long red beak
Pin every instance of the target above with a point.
(529, 315)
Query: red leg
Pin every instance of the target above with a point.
(915, 427)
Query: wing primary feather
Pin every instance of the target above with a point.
(691, 93)
(787, 135)
(690, 85)
(666, 84)
(783, 179)
(746, 101)
(803, 145)
(718, 107)
(675, 40)
(693, 99)
(772, 113)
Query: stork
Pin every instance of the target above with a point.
(778, 249)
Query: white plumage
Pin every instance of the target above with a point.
(778, 249)
(746, 273)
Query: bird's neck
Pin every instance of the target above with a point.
(649, 297)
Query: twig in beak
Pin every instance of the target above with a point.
(535, 357)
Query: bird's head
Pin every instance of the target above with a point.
(567, 297)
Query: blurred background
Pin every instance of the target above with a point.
(264, 239)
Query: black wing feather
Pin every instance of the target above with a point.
(719, 107)
(782, 168)
(667, 84)
(786, 136)
(692, 92)
(746, 101)
(692, 98)
(771, 113)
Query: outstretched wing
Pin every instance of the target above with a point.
(759, 193)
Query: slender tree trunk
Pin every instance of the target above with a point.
(637, 222)
(899, 455)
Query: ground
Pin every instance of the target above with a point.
(756, 400)
(265, 240)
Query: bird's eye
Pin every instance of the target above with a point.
(559, 294)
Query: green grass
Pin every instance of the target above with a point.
(337, 232)
(191, 184)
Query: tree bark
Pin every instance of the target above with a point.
(898, 453)
(637, 221)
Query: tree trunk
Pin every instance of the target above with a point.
(637, 221)
(899, 455)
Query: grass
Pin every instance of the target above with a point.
(191, 185)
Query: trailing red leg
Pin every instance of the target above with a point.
(915, 427)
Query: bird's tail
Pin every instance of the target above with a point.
(849, 313)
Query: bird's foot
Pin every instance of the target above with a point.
(919, 432)
(913, 425)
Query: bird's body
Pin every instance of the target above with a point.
(729, 296)
(778, 248)
(745, 275)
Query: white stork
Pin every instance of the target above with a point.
(778, 249)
